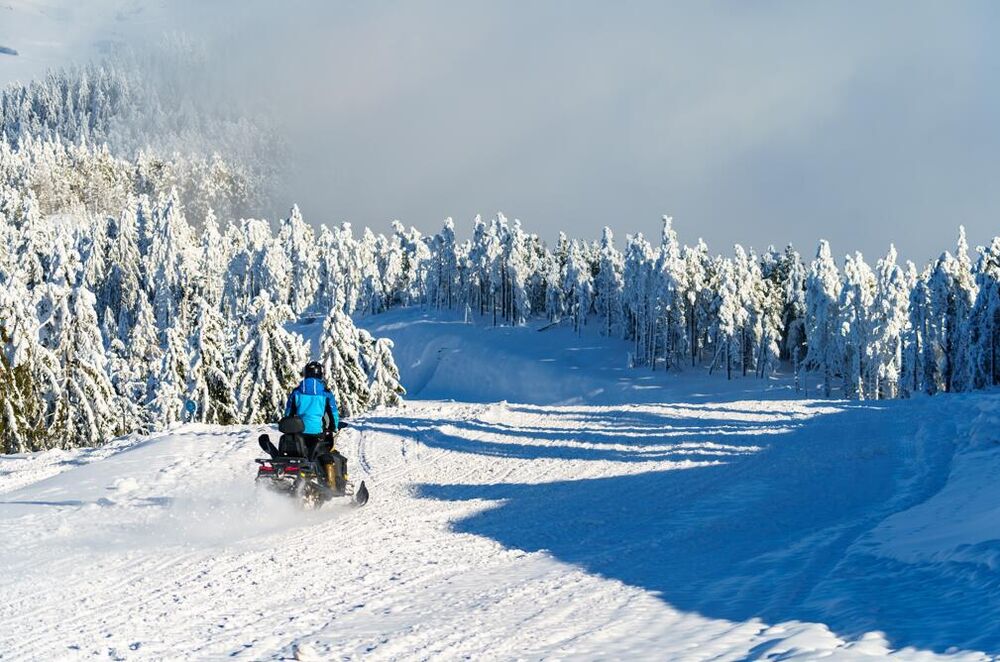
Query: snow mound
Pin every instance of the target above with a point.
(442, 358)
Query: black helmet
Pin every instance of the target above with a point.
(313, 369)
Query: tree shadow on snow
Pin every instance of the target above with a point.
(766, 533)
(670, 448)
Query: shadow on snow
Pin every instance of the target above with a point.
(768, 532)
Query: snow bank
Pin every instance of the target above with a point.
(22, 469)
(961, 522)
(442, 358)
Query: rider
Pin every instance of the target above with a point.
(312, 401)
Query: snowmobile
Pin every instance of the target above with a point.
(291, 469)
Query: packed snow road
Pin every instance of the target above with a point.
(713, 530)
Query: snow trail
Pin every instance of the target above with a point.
(709, 530)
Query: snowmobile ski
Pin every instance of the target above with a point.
(361, 496)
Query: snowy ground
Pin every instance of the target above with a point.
(627, 522)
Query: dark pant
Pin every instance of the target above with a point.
(317, 445)
(320, 449)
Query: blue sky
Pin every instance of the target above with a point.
(758, 123)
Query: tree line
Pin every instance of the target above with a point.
(857, 330)
(118, 324)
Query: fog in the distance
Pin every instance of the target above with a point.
(753, 123)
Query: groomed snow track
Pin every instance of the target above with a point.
(718, 530)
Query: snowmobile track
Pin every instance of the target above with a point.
(548, 532)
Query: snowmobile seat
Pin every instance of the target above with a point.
(291, 425)
(291, 445)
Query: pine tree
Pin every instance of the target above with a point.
(130, 388)
(966, 290)
(854, 332)
(145, 352)
(639, 317)
(891, 317)
(209, 381)
(122, 287)
(668, 281)
(553, 278)
(299, 243)
(577, 287)
(952, 292)
(351, 261)
(85, 412)
(330, 276)
(822, 294)
(730, 317)
(384, 280)
(609, 285)
(984, 321)
(29, 374)
(268, 363)
(209, 277)
(915, 345)
(491, 265)
(169, 236)
(93, 244)
(168, 390)
(697, 298)
(478, 267)
(767, 306)
(372, 296)
(384, 386)
(340, 354)
(28, 252)
(751, 301)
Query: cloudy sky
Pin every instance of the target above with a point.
(758, 123)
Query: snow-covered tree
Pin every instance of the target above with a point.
(578, 288)
(640, 318)
(853, 328)
(299, 243)
(668, 289)
(123, 285)
(29, 374)
(209, 375)
(443, 275)
(966, 289)
(890, 312)
(697, 298)
(553, 278)
(952, 292)
(85, 410)
(331, 290)
(169, 385)
(269, 362)
(209, 276)
(340, 354)
(384, 387)
(822, 294)
(915, 341)
(730, 317)
(609, 285)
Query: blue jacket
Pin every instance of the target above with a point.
(315, 405)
